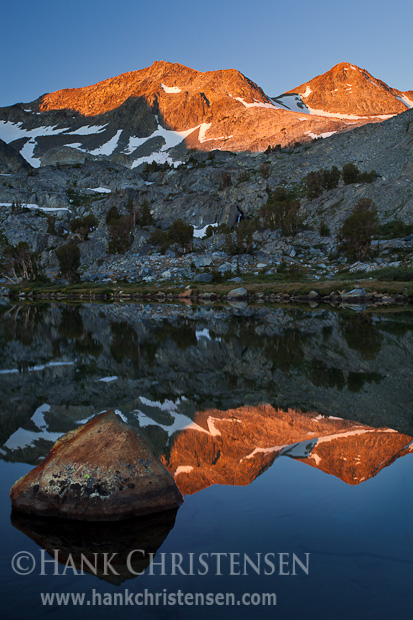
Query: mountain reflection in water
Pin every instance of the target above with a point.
(230, 447)
(235, 446)
(222, 394)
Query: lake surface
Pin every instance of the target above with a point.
(288, 430)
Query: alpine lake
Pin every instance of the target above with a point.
(288, 430)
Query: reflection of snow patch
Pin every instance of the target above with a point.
(22, 439)
(203, 333)
(35, 368)
(120, 414)
(300, 450)
(183, 469)
(180, 422)
(108, 379)
(38, 416)
(167, 405)
(354, 433)
(265, 451)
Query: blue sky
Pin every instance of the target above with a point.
(50, 44)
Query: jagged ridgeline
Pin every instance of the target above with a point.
(144, 115)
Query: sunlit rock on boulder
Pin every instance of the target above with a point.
(102, 471)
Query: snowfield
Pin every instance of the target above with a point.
(87, 130)
(199, 233)
(34, 206)
(171, 89)
(27, 152)
(10, 131)
(256, 104)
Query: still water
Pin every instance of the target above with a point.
(288, 430)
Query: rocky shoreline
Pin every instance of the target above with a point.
(323, 292)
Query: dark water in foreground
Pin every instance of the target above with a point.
(314, 457)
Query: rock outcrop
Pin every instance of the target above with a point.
(102, 471)
(11, 161)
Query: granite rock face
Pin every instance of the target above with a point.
(102, 471)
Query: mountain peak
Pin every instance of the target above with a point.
(349, 90)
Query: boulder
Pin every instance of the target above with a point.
(205, 278)
(355, 293)
(202, 261)
(102, 471)
(238, 293)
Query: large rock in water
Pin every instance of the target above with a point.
(102, 471)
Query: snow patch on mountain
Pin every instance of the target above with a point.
(171, 89)
(291, 102)
(407, 102)
(199, 233)
(27, 152)
(108, 147)
(256, 104)
(100, 190)
(202, 131)
(171, 138)
(349, 117)
(10, 131)
(88, 130)
(326, 134)
(34, 206)
(134, 143)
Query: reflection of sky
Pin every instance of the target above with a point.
(360, 539)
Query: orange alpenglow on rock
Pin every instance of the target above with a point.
(102, 471)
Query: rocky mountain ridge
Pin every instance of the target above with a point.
(142, 116)
(217, 188)
(350, 92)
(209, 189)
